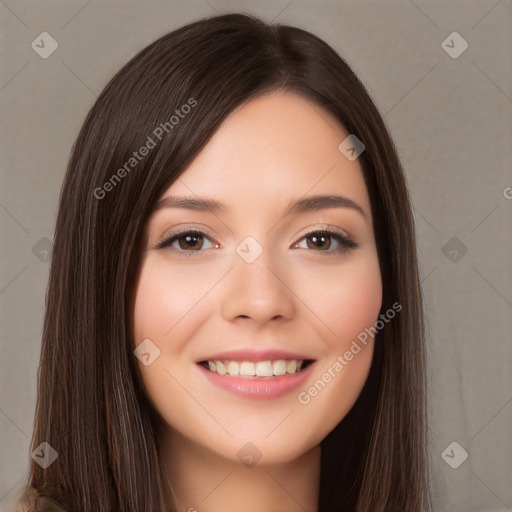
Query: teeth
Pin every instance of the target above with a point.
(255, 369)
(279, 367)
(247, 368)
(264, 369)
(291, 366)
(220, 368)
(233, 368)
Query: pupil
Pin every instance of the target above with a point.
(321, 238)
(189, 239)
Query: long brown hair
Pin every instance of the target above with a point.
(91, 404)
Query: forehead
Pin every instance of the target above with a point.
(270, 149)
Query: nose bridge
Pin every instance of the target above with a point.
(257, 286)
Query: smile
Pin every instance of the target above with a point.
(257, 369)
(257, 380)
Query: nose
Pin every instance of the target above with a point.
(259, 291)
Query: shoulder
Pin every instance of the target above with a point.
(33, 501)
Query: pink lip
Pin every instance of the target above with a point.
(254, 355)
(260, 388)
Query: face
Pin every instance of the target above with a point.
(257, 286)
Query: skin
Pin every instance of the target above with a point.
(270, 151)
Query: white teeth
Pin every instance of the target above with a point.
(220, 368)
(264, 369)
(247, 368)
(233, 368)
(292, 366)
(255, 369)
(279, 367)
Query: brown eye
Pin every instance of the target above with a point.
(189, 242)
(321, 241)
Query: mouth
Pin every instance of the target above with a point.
(268, 369)
(257, 374)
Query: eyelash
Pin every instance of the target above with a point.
(346, 243)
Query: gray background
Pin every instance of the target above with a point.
(451, 121)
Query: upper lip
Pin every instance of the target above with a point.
(254, 355)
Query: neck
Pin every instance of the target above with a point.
(200, 480)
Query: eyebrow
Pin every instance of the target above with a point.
(305, 204)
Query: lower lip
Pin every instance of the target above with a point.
(260, 388)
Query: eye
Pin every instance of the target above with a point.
(323, 240)
(190, 242)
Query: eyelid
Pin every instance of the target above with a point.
(187, 229)
(315, 228)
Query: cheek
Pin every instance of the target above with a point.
(148, 318)
(347, 299)
(163, 312)
(349, 304)
(163, 298)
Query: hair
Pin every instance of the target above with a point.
(92, 407)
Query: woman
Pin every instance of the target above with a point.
(201, 350)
